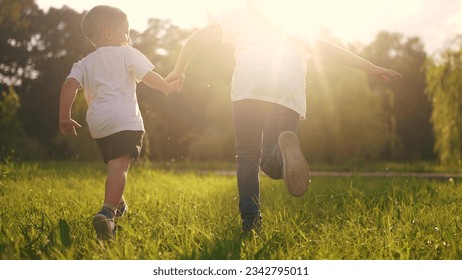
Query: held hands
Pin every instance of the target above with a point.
(176, 78)
(384, 74)
(172, 87)
(68, 125)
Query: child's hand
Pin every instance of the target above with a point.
(68, 125)
(385, 74)
(173, 87)
(176, 77)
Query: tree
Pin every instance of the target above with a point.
(16, 21)
(13, 140)
(10, 127)
(209, 86)
(350, 121)
(60, 43)
(345, 121)
(37, 50)
(196, 123)
(409, 108)
(444, 88)
(164, 117)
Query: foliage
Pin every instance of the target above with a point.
(336, 130)
(39, 51)
(408, 108)
(9, 124)
(16, 21)
(444, 79)
(196, 123)
(349, 120)
(13, 140)
(46, 211)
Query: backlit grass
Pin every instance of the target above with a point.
(46, 211)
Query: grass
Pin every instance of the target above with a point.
(46, 211)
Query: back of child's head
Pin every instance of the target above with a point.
(100, 17)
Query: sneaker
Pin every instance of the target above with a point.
(251, 223)
(251, 229)
(295, 171)
(104, 227)
(122, 209)
(252, 233)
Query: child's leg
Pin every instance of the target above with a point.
(282, 156)
(118, 152)
(277, 120)
(116, 179)
(248, 134)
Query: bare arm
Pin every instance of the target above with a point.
(155, 81)
(198, 41)
(345, 57)
(68, 93)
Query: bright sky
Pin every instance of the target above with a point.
(435, 22)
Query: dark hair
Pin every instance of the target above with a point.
(100, 17)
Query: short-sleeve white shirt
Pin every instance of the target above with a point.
(270, 65)
(108, 77)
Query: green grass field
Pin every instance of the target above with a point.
(46, 211)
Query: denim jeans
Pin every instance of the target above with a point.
(257, 126)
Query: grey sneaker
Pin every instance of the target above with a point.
(295, 171)
(122, 209)
(104, 227)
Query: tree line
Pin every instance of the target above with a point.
(351, 117)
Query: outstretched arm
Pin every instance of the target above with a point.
(198, 41)
(68, 93)
(345, 57)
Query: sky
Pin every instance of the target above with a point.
(435, 22)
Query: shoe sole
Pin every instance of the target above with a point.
(103, 228)
(296, 173)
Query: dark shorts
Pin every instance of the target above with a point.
(121, 143)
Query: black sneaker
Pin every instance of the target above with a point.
(295, 171)
(251, 227)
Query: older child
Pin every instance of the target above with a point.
(108, 77)
(268, 96)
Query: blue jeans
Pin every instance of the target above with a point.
(257, 126)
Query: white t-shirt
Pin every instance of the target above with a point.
(109, 76)
(270, 64)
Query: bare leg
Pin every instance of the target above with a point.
(103, 221)
(116, 179)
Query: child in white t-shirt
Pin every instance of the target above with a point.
(268, 98)
(108, 77)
